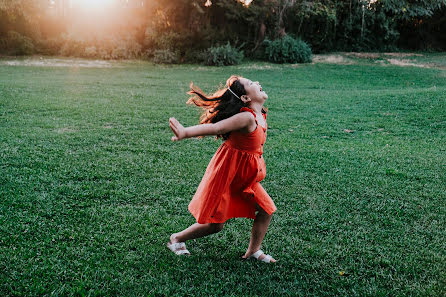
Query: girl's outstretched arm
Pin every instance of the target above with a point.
(243, 121)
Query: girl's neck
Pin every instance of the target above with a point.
(257, 108)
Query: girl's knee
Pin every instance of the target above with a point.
(262, 212)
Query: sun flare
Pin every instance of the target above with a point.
(93, 4)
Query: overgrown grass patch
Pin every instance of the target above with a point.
(91, 186)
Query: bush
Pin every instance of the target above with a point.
(72, 48)
(223, 55)
(287, 50)
(194, 56)
(127, 48)
(18, 44)
(110, 48)
(165, 56)
(168, 40)
(50, 46)
(90, 52)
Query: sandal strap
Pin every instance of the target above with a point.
(176, 246)
(181, 252)
(257, 254)
(267, 259)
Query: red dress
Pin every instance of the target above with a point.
(230, 187)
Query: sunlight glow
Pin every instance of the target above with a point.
(371, 2)
(93, 4)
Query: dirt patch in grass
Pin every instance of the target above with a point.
(364, 55)
(403, 55)
(379, 55)
(258, 67)
(382, 59)
(405, 62)
(332, 59)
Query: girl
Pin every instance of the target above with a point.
(230, 187)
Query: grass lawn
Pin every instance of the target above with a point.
(91, 186)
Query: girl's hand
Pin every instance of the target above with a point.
(178, 129)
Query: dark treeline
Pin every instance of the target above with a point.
(137, 28)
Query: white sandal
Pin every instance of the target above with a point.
(256, 255)
(179, 248)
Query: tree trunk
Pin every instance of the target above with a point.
(260, 36)
(280, 26)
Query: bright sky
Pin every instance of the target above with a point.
(93, 4)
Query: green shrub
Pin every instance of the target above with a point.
(18, 44)
(72, 48)
(287, 50)
(223, 55)
(165, 56)
(105, 47)
(50, 46)
(127, 48)
(194, 56)
(90, 52)
(110, 48)
(168, 40)
(181, 40)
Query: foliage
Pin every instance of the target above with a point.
(195, 56)
(113, 48)
(163, 40)
(16, 44)
(90, 52)
(72, 48)
(165, 56)
(223, 55)
(187, 26)
(50, 46)
(428, 34)
(125, 48)
(287, 50)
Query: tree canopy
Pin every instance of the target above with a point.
(186, 26)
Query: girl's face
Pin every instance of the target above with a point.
(254, 90)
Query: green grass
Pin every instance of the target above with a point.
(91, 186)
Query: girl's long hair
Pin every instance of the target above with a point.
(221, 105)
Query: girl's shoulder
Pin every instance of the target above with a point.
(248, 115)
(248, 110)
(264, 112)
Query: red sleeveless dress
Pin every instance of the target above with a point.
(230, 187)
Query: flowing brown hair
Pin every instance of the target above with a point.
(222, 104)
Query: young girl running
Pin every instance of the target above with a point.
(231, 185)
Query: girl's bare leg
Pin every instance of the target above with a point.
(196, 231)
(258, 232)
